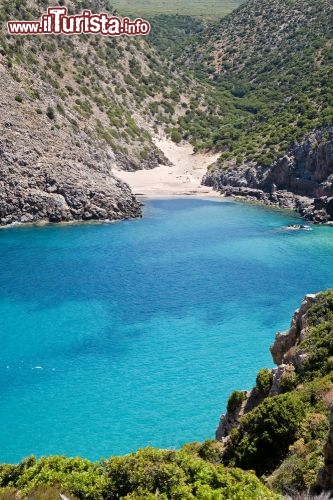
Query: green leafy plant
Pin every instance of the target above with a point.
(264, 381)
(235, 400)
(50, 113)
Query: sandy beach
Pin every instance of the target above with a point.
(182, 178)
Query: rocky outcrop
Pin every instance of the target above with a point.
(283, 349)
(302, 180)
(279, 374)
(289, 360)
(54, 174)
(154, 158)
(230, 419)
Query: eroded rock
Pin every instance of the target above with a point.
(301, 180)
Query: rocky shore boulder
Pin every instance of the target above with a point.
(301, 180)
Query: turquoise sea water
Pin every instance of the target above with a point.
(118, 336)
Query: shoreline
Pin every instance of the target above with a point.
(141, 198)
(182, 178)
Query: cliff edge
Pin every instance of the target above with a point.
(301, 180)
(283, 427)
(53, 174)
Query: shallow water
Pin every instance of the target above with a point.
(118, 336)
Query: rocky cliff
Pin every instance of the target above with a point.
(293, 400)
(301, 180)
(53, 174)
(72, 108)
(288, 358)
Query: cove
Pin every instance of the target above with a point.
(119, 336)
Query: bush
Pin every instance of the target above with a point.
(314, 426)
(288, 381)
(318, 341)
(18, 98)
(264, 381)
(147, 474)
(50, 113)
(265, 434)
(235, 400)
(177, 475)
(80, 477)
(210, 450)
(298, 472)
(175, 136)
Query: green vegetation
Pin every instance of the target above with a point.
(264, 381)
(298, 472)
(146, 474)
(175, 135)
(112, 82)
(235, 400)
(147, 8)
(236, 85)
(268, 86)
(289, 380)
(318, 343)
(50, 113)
(265, 434)
(169, 32)
(283, 436)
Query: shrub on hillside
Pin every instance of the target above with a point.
(265, 434)
(50, 113)
(264, 381)
(299, 471)
(147, 474)
(235, 400)
(318, 341)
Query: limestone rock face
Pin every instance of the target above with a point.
(301, 180)
(230, 419)
(54, 174)
(285, 341)
(278, 375)
(288, 358)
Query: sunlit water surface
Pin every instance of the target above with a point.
(119, 336)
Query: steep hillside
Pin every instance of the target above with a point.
(274, 57)
(73, 107)
(53, 173)
(92, 82)
(281, 426)
(270, 67)
(196, 8)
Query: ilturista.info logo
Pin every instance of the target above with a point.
(57, 21)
